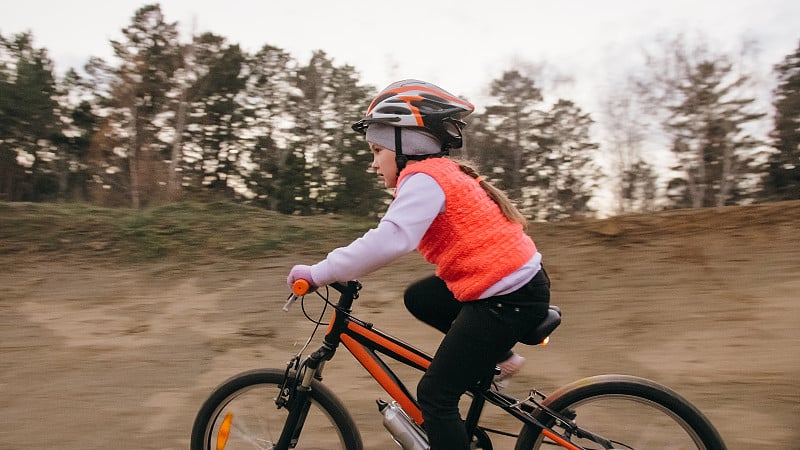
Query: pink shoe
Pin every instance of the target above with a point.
(508, 369)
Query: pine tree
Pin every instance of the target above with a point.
(710, 142)
(316, 127)
(216, 123)
(541, 156)
(783, 178)
(28, 121)
(149, 56)
(703, 103)
(267, 103)
(79, 121)
(106, 158)
(514, 124)
(330, 100)
(354, 191)
(565, 173)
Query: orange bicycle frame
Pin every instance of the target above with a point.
(365, 343)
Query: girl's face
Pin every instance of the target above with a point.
(384, 164)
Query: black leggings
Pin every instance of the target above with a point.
(478, 335)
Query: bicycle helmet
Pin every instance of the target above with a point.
(418, 104)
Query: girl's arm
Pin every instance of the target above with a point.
(419, 200)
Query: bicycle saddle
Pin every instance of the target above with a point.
(547, 326)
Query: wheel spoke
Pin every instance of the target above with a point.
(241, 414)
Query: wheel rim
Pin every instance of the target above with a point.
(630, 422)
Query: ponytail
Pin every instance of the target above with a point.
(506, 206)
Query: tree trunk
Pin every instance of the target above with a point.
(133, 160)
(174, 179)
(516, 176)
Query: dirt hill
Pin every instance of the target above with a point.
(115, 325)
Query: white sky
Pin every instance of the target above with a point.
(461, 45)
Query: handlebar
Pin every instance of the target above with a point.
(302, 287)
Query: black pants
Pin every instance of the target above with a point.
(478, 335)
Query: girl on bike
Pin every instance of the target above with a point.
(489, 290)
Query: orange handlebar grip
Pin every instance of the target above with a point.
(300, 287)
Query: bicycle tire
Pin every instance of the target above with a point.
(256, 422)
(618, 408)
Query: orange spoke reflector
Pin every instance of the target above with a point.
(224, 431)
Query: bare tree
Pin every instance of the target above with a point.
(627, 131)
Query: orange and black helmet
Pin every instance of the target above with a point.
(418, 104)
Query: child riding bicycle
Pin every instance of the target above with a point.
(490, 289)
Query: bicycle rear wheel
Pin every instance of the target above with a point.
(241, 414)
(631, 412)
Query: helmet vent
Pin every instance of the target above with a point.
(430, 105)
(392, 110)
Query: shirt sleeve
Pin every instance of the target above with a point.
(419, 201)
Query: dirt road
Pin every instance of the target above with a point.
(101, 356)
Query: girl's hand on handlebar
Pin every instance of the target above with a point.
(300, 283)
(301, 272)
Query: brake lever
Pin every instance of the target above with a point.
(289, 301)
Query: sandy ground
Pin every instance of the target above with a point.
(100, 356)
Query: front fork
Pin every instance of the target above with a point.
(297, 397)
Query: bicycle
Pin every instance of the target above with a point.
(292, 408)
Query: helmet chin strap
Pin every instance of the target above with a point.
(400, 159)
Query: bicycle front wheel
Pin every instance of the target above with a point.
(241, 414)
(629, 412)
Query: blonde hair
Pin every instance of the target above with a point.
(506, 205)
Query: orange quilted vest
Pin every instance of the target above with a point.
(472, 244)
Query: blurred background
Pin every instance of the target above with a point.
(593, 110)
(163, 165)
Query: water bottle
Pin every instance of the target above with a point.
(402, 427)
